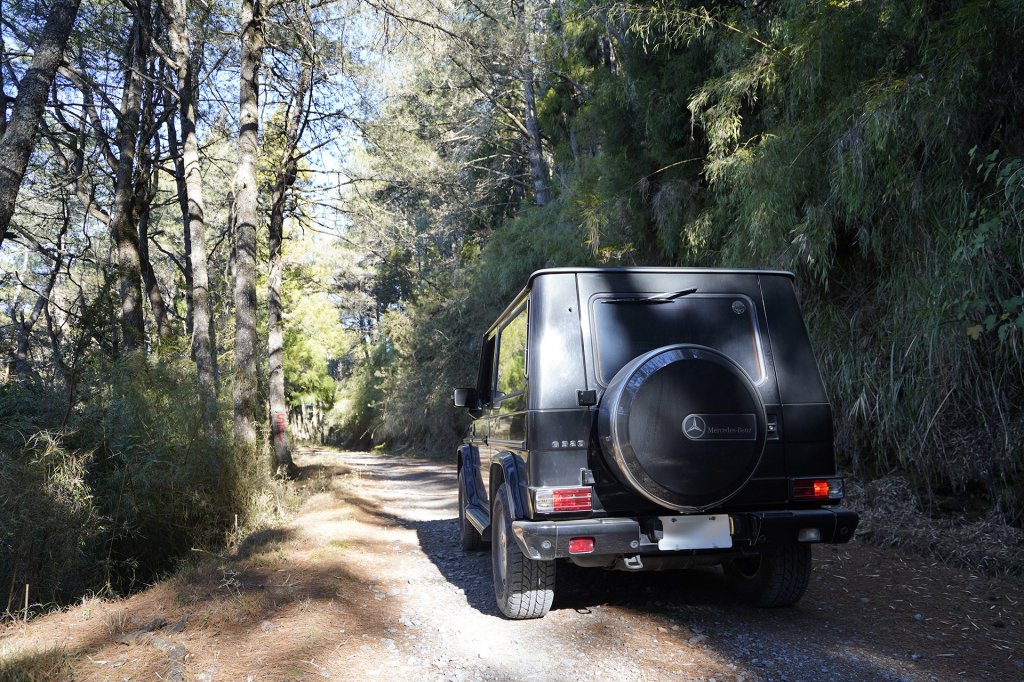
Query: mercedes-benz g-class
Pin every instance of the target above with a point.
(649, 418)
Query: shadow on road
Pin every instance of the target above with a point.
(468, 571)
(878, 617)
(684, 609)
(648, 591)
(257, 542)
(575, 588)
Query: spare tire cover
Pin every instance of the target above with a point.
(683, 425)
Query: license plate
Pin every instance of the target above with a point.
(695, 532)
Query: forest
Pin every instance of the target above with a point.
(227, 228)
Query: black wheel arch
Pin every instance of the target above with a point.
(468, 457)
(506, 467)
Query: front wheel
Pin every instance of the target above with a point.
(776, 577)
(524, 588)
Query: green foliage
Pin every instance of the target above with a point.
(355, 414)
(401, 392)
(849, 161)
(873, 148)
(107, 496)
(995, 235)
(312, 337)
(50, 529)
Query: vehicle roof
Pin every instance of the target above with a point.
(656, 270)
(614, 270)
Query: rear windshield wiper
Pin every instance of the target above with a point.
(666, 297)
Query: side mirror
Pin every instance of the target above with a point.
(465, 397)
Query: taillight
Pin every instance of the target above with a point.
(821, 489)
(581, 545)
(549, 500)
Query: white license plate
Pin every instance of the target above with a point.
(695, 532)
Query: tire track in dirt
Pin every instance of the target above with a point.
(868, 614)
(367, 581)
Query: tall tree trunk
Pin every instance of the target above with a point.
(282, 184)
(122, 231)
(144, 212)
(246, 403)
(174, 150)
(21, 365)
(19, 136)
(61, 369)
(568, 121)
(538, 167)
(195, 217)
(4, 99)
(144, 194)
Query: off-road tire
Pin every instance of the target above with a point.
(469, 538)
(524, 588)
(779, 577)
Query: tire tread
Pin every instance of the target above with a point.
(469, 539)
(530, 584)
(781, 579)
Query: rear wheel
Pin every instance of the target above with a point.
(524, 588)
(468, 537)
(777, 577)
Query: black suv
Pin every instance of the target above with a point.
(649, 418)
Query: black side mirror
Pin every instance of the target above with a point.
(465, 397)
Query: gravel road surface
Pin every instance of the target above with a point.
(869, 614)
(366, 581)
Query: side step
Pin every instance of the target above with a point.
(480, 519)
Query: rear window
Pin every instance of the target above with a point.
(727, 323)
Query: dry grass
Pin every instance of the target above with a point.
(324, 596)
(117, 622)
(267, 608)
(34, 666)
(892, 516)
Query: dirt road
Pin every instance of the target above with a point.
(367, 581)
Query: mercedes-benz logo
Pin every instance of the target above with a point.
(694, 426)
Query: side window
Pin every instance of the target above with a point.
(511, 374)
(485, 381)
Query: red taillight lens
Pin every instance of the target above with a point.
(581, 545)
(550, 500)
(818, 489)
(572, 499)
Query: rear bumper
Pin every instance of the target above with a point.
(835, 526)
(544, 540)
(550, 539)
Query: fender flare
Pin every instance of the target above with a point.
(469, 459)
(513, 472)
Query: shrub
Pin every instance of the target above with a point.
(109, 495)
